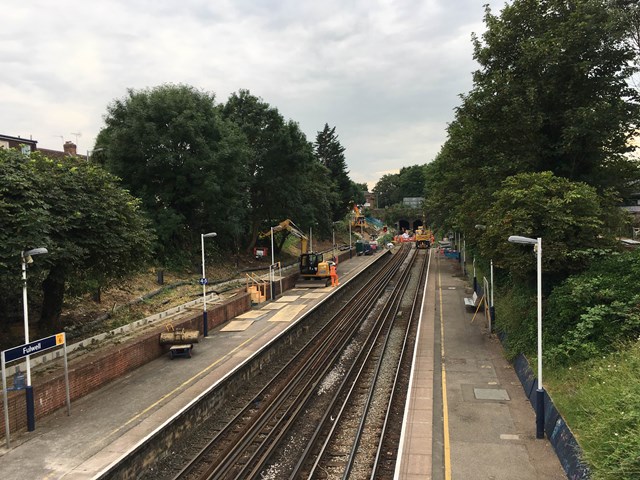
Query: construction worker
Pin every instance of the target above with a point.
(333, 271)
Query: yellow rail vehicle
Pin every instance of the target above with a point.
(423, 238)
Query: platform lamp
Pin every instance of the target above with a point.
(91, 152)
(26, 259)
(333, 236)
(350, 222)
(537, 243)
(204, 281)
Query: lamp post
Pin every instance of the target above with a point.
(537, 243)
(350, 221)
(333, 235)
(203, 281)
(26, 259)
(89, 152)
(272, 280)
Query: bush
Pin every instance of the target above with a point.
(516, 316)
(590, 313)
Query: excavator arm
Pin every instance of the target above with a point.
(292, 228)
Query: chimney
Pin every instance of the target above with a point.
(70, 148)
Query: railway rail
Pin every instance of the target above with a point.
(243, 447)
(255, 442)
(351, 437)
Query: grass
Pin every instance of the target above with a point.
(600, 400)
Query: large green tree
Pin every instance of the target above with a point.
(174, 150)
(551, 94)
(93, 229)
(393, 187)
(570, 217)
(285, 180)
(331, 154)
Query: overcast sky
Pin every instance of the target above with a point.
(387, 74)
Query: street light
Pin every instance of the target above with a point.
(89, 152)
(350, 221)
(26, 259)
(203, 281)
(333, 234)
(537, 243)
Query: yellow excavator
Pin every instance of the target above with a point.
(314, 270)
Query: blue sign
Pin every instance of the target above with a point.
(204, 281)
(34, 347)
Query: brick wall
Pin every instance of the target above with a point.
(93, 370)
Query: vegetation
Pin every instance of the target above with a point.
(94, 230)
(285, 179)
(344, 191)
(392, 188)
(174, 150)
(195, 166)
(594, 312)
(600, 400)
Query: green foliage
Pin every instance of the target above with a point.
(93, 229)
(392, 188)
(516, 315)
(600, 399)
(569, 216)
(285, 180)
(387, 190)
(172, 148)
(330, 153)
(551, 94)
(591, 313)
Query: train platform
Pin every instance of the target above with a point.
(467, 416)
(105, 424)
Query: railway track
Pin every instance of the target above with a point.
(351, 439)
(294, 424)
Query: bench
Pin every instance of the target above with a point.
(472, 302)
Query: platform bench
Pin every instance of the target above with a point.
(472, 302)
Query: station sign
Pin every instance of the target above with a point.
(34, 347)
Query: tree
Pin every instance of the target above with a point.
(285, 180)
(387, 190)
(94, 230)
(551, 94)
(393, 187)
(571, 217)
(330, 153)
(411, 181)
(174, 150)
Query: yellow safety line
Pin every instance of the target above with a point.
(445, 407)
(185, 383)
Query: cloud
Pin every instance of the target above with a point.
(387, 74)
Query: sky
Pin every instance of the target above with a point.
(386, 74)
